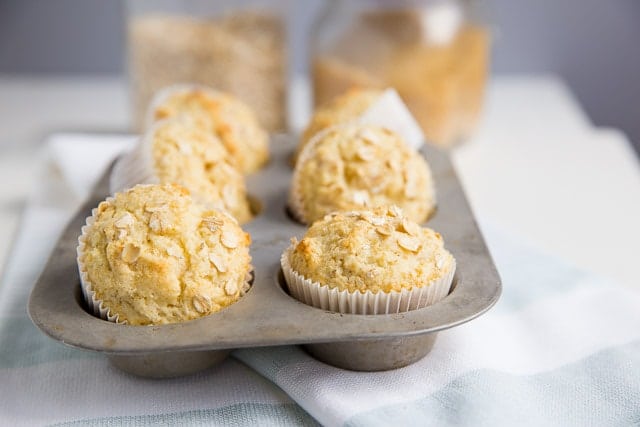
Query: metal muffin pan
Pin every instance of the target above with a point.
(267, 315)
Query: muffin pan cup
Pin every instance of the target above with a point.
(267, 315)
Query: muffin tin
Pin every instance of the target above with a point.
(267, 315)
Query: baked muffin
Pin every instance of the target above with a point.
(356, 165)
(152, 255)
(368, 262)
(180, 151)
(222, 114)
(342, 109)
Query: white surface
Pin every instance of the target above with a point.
(31, 108)
(575, 196)
(536, 167)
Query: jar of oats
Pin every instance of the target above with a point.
(233, 46)
(433, 52)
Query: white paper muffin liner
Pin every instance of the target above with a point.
(345, 302)
(96, 305)
(136, 166)
(391, 112)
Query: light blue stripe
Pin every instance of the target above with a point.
(22, 345)
(529, 276)
(235, 415)
(600, 390)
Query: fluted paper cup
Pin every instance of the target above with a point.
(96, 305)
(345, 302)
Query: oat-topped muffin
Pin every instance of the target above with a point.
(228, 118)
(354, 166)
(344, 108)
(152, 255)
(369, 252)
(180, 151)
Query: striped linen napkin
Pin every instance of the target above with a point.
(562, 347)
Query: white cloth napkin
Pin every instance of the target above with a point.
(562, 347)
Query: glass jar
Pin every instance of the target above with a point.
(233, 46)
(433, 52)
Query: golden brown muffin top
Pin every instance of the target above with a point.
(154, 256)
(356, 165)
(344, 108)
(184, 153)
(377, 250)
(222, 114)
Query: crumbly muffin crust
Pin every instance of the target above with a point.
(356, 165)
(344, 108)
(377, 250)
(184, 153)
(154, 256)
(225, 116)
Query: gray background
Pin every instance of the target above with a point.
(593, 44)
